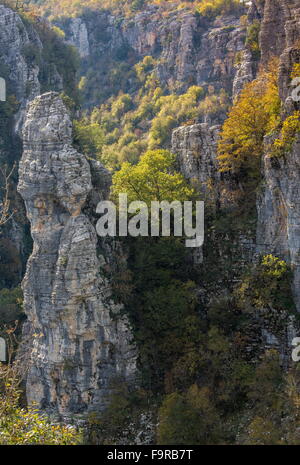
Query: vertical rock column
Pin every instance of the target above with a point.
(77, 343)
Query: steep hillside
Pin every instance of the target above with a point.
(31, 60)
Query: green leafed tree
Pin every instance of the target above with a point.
(153, 178)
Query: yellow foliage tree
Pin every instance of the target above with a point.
(255, 114)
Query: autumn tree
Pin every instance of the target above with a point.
(255, 113)
(212, 8)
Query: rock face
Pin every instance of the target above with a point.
(19, 40)
(282, 16)
(80, 345)
(245, 73)
(278, 229)
(278, 206)
(25, 76)
(22, 80)
(189, 49)
(14, 39)
(79, 37)
(280, 27)
(196, 150)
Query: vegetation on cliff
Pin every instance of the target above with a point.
(255, 114)
(207, 8)
(153, 178)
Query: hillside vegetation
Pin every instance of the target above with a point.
(208, 8)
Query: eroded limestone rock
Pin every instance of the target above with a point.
(196, 150)
(188, 49)
(79, 344)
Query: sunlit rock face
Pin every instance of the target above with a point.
(278, 206)
(78, 344)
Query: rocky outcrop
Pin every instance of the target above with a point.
(278, 206)
(191, 51)
(196, 150)
(280, 27)
(15, 39)
(245, 73)
(282, 16)
(273, 19)
(19, 43)
(79, 37)
(80, 345)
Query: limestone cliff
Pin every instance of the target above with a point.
(27, 70)
(279, 27)
(21, 74)
(21, 81)
(189, 49)
(278, 207)
(196, 150)
(79, 343)
(277, 204)
(22, 63)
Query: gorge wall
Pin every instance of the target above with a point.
(79, 344)
(189, 49)
(278, 204)
(21, 81)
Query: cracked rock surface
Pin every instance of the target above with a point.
(78, 343)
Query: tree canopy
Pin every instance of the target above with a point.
(255, 114)
(152, 178)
